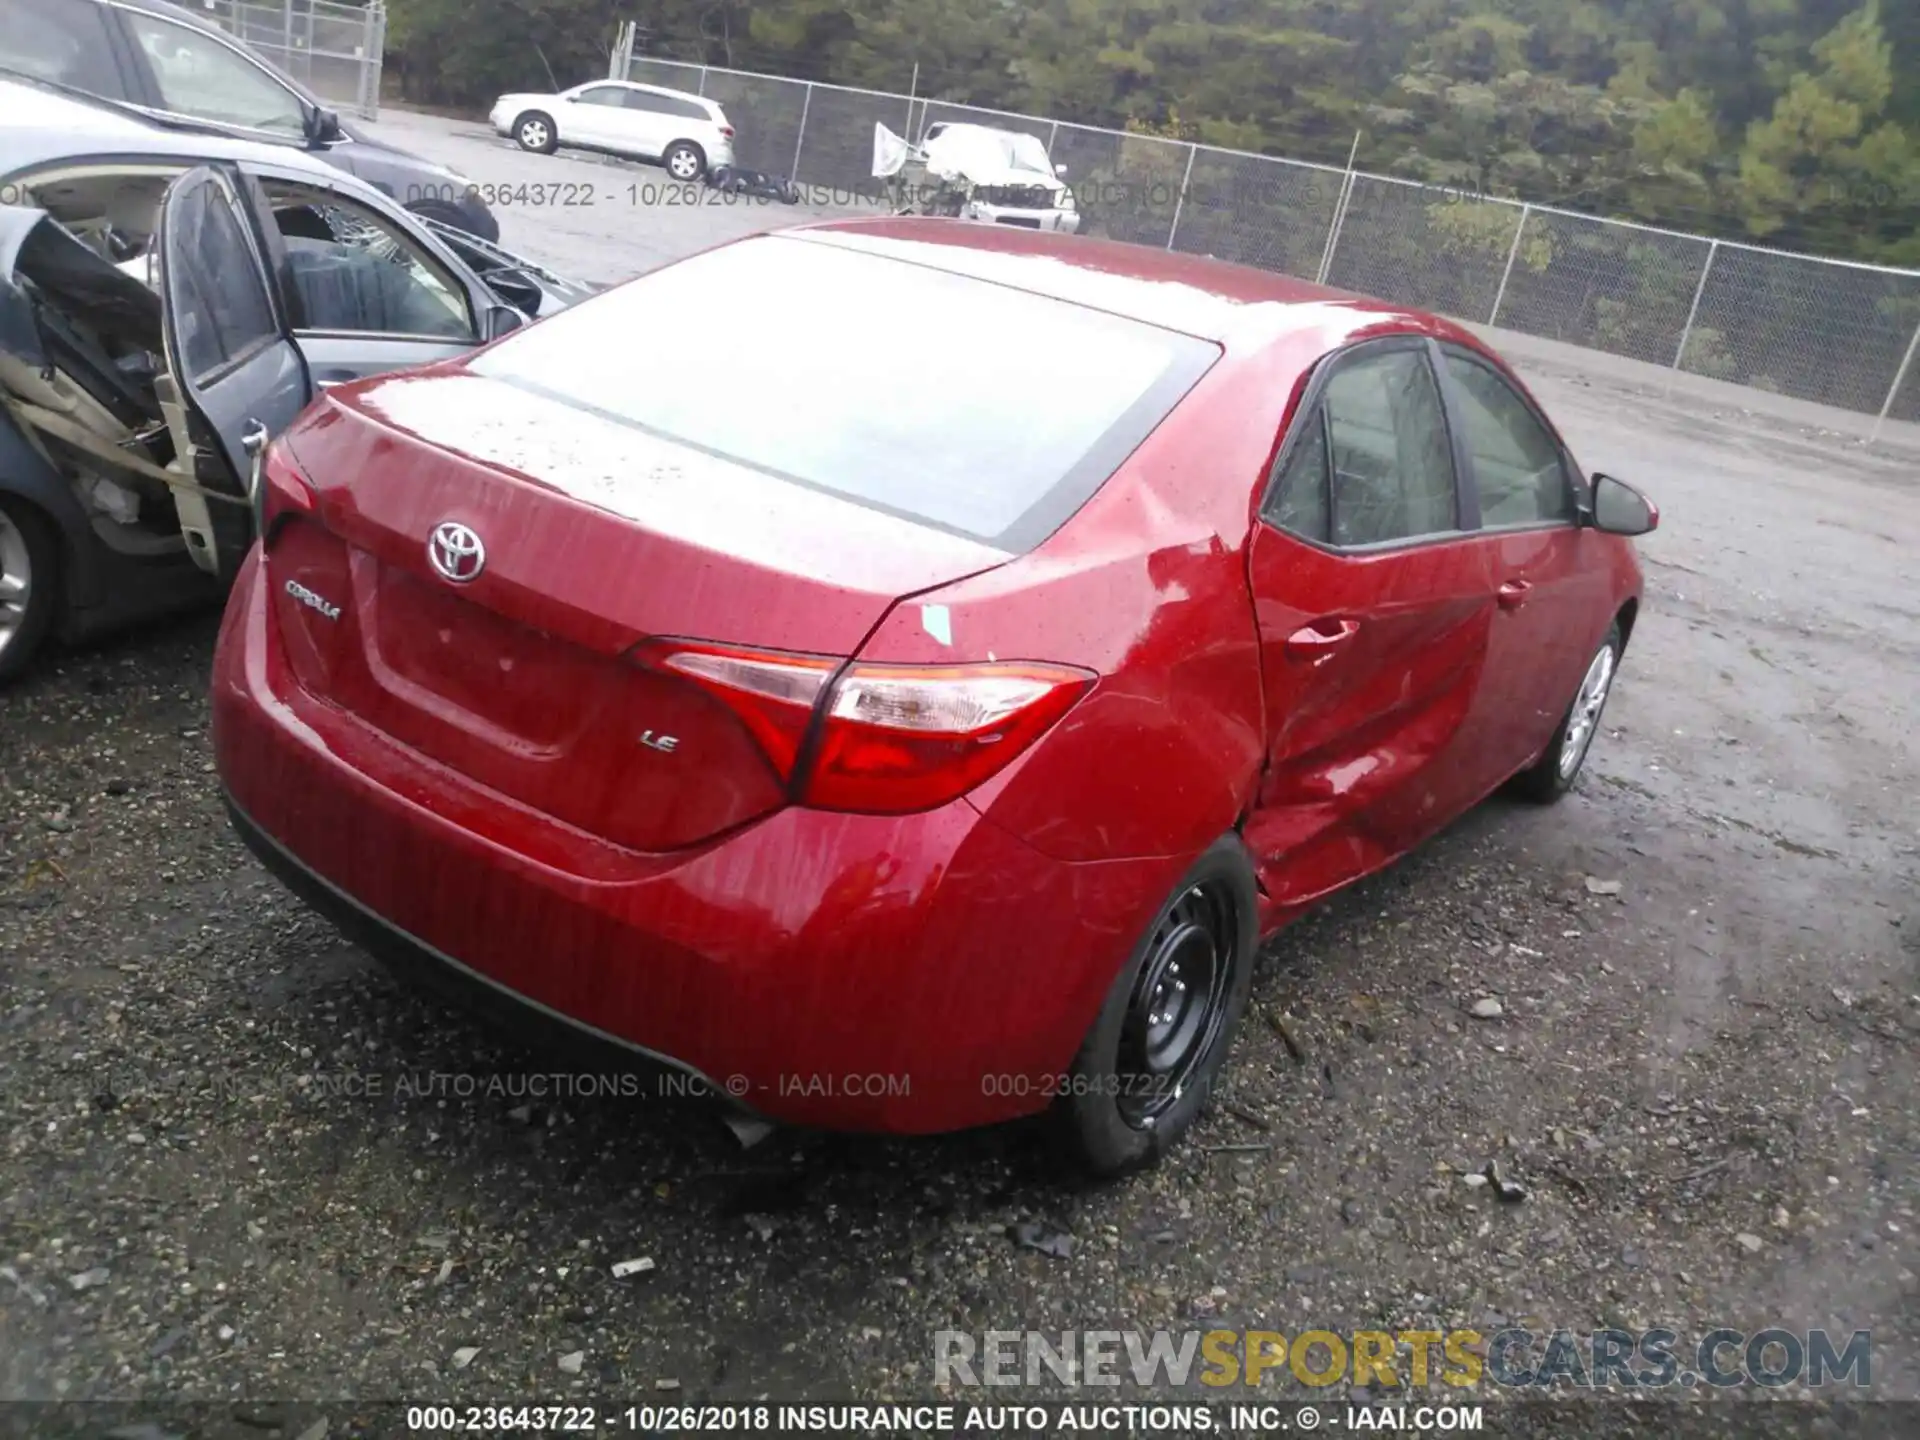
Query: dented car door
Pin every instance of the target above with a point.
(1373, 606)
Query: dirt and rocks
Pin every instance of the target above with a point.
(1679, 1012)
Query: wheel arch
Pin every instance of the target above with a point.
(1629, 612)
(26, 475)
(692, 144)
(534, 112)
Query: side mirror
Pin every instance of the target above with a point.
(516, 288)
(501, 320)
(1619, 509)
(1060, 170)
(323, 127)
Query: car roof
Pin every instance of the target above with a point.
(40, 126)
(1231, 305)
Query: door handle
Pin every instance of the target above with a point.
(1514, 594)
(253, 440)
(1322, 638)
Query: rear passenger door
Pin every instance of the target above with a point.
(1373, 600)
(648, 126)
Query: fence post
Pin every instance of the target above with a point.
(1893, 390)
(1339, 214)
(1507, 274)
(379, 56)
(806, 104)
(1333, 230)
(1180, 200)
(1693, 310)
(620, 57)
(364, 53)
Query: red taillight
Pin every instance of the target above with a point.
(898, 738)
(772, 692)
(727, 130)
(283, 489)
(892, 739)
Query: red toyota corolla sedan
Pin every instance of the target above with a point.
(899, 670)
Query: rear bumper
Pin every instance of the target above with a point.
(905, 974)
(422, 964)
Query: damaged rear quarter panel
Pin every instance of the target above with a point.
(1146, 586)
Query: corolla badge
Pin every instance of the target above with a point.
(328, 610)
(456, 552)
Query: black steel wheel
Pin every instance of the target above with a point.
(1154, 1052)
(1178, 1003)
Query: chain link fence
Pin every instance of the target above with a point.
(334, 50)
(1831, 331)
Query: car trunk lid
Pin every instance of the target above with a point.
(597, 536)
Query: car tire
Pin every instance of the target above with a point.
(685, 160)
(29, 583)
(535, 131)
(1559, 766)
(1118, 1113)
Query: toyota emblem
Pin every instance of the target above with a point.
(456, 552)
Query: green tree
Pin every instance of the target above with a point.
(1826, 165)
(1797, 121)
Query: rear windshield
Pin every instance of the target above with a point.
(978, 409)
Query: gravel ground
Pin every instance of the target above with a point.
(230, 1175)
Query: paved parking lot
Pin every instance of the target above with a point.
(595, 219)
(229, 1170)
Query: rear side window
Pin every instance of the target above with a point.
(1305, 507)
(64, 41)
(1373, 462)
(979, 409)
(220, 303)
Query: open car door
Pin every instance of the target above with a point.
(234, 376)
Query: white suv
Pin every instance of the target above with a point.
(687, 134)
